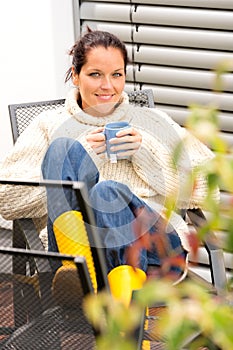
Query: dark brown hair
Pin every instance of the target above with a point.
(93, 39)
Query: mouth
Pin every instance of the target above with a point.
(104, 97)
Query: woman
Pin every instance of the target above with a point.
(70, 145)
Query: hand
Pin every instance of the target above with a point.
(96, 139)
(127, 140)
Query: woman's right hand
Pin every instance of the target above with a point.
(96, 139)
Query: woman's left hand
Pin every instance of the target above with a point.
(128, 141)
(96, 139)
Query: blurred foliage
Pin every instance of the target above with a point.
(190, 309)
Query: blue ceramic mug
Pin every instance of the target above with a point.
(110, 131)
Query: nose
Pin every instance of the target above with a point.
(106, 83)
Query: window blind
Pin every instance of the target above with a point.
(175, 47)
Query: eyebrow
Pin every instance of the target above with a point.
(99, 70)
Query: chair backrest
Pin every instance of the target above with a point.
(23, 113)
(142, 98)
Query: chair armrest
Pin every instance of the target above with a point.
(26, 228)
(215, 253)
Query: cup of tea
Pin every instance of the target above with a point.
(110, 131)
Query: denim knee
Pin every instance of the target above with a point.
(110, 196)
(62, 144)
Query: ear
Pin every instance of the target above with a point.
(75, 77)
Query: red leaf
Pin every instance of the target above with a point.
(194, 242)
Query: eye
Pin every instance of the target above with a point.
(117, 74)
(94, 74)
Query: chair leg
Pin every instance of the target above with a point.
(24, 237)
(18, 267)
(46, 297)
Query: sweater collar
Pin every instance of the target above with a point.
(72, 107)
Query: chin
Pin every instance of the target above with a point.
(103, 109)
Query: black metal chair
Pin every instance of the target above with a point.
(38, 319)
(61, 325)
(22, 114)
(142, 98)
(43, 319)
(25, 235)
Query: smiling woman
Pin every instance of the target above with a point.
(70, 144)
(100, 83)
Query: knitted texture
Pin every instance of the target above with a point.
(150, 173)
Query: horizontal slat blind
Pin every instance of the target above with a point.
(172, 16)
(180, 77)
(180, 57)
(217, 4)
(175, 45)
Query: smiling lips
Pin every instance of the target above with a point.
(105, 97)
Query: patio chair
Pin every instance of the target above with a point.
(22, 114)
(47, 324)
(62, 325)
(23, 230)
(42, 320)
(24, 234)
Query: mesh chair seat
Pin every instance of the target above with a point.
(61, 325)
(54, 329)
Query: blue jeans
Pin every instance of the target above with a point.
(113, 203)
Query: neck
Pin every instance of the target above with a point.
(101, 110)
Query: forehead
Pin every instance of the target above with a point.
(104, 57)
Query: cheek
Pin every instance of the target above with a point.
(120, 86)
(84, 88)
(86, 91)
(87, 85)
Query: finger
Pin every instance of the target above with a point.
(126, 139)
(124, 132)
(98, 130)
(98, 137)
(103, 155)
(125, 147)
(99, 149)
(127, 153)
(122, 139)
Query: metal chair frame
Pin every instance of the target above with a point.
(24, 232)
(22, 114)
(28, 236)
(47, 327)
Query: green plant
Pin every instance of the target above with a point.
(190, 309)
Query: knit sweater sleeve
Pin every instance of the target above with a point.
(24, 162)
(155, 162)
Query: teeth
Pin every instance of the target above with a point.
(105, 97)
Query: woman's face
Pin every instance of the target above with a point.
(101, 80)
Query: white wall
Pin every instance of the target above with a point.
(35, 36)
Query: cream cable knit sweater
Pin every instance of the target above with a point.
(150, 174)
